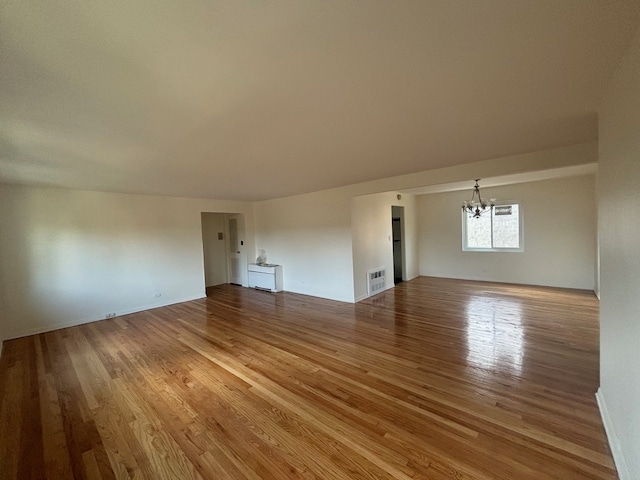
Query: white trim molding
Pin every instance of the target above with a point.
(74, 323)
(614, 443)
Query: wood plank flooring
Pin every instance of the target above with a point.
(435, 379)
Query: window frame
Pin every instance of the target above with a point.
(465, 218)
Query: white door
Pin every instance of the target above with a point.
(235, 230)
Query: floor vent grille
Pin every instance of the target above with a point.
(376, 280)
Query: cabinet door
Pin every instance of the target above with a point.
(262, 280)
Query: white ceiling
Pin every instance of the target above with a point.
(249, 99)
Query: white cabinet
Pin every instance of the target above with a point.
(265, 277)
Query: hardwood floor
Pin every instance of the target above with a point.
(435, 379)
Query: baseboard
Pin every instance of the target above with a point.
(74, 323)
(318, 295)
(614, 443)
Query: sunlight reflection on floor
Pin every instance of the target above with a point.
(495, 336)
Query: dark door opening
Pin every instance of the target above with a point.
(397, 227)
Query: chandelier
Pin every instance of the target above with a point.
(476, 206)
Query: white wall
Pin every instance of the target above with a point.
(559, 235)
(70, 256)
(372, 245)
(619, 236)
(310, 236)
(215, 253)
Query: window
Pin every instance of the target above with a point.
(498, 231)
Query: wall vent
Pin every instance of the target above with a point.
(376, 280)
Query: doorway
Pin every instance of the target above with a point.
(214, 249)
(397, 229)
(223, 249)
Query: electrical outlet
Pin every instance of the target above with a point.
(110, 315)
(157, 294)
